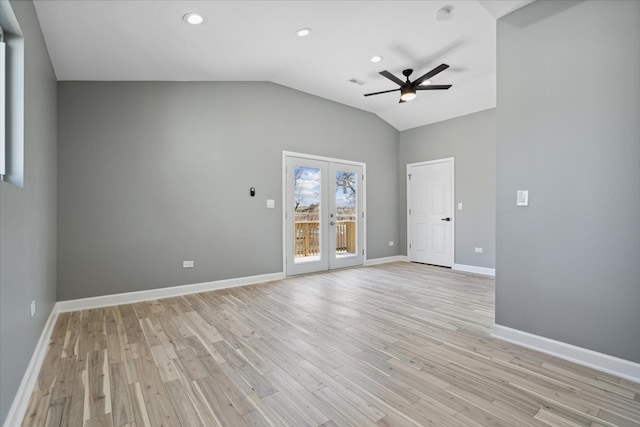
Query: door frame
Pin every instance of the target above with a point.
(285, 155)
(453, 202)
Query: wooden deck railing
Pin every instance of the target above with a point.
(307, 237)
(346, 237)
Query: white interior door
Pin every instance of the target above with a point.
(430, 229)
(324, 215)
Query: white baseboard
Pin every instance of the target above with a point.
(138, 296)
(21, 400)
(384, 260)
(582, 356)
(473, 269)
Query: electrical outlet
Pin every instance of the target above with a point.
(459, 206)
(187, 264)
(478, 250)
(391, 243)
(33, 308)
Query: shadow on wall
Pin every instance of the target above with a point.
(521, 20)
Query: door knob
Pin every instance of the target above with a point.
(332, 223)
(446, 219)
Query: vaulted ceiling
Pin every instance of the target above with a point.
(256, 41)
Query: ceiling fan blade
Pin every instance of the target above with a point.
(430, 74)
(433, 87)
(391, 77)
(384, 91)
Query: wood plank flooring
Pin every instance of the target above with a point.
(392, 345)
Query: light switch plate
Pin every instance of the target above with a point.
(187, 264)
(459, 206)
(522, 198)
(271, 204)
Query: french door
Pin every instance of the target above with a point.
(324, 214)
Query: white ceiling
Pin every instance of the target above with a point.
(256, 41)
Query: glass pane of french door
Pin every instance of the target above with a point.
(346, 203)
(306, 213)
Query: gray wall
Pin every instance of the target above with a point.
(471, 140)
(154, 173)
(569, 132)
(28, 218)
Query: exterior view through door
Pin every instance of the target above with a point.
(430, 221)
(324, 213)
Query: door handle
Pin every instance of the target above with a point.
(332, 223)
(446, 219)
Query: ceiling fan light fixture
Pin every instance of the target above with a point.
(303, 32)
(193, 18)
(407, 94)
(376, 59)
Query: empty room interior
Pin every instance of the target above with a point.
(320, 213)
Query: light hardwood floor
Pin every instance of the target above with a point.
(397, 344)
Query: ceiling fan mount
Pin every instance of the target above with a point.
(408, 88)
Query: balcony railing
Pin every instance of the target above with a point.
(307, 238)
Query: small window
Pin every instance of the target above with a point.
(11, 97)
(3, 90)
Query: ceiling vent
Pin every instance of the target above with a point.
(356, 81)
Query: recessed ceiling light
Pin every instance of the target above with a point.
(193, 18)
(376, 58)
(303, 32)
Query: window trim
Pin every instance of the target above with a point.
(3, 100)
(14, 93)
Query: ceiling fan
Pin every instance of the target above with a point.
(408, 89)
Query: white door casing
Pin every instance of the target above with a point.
(430, 220)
